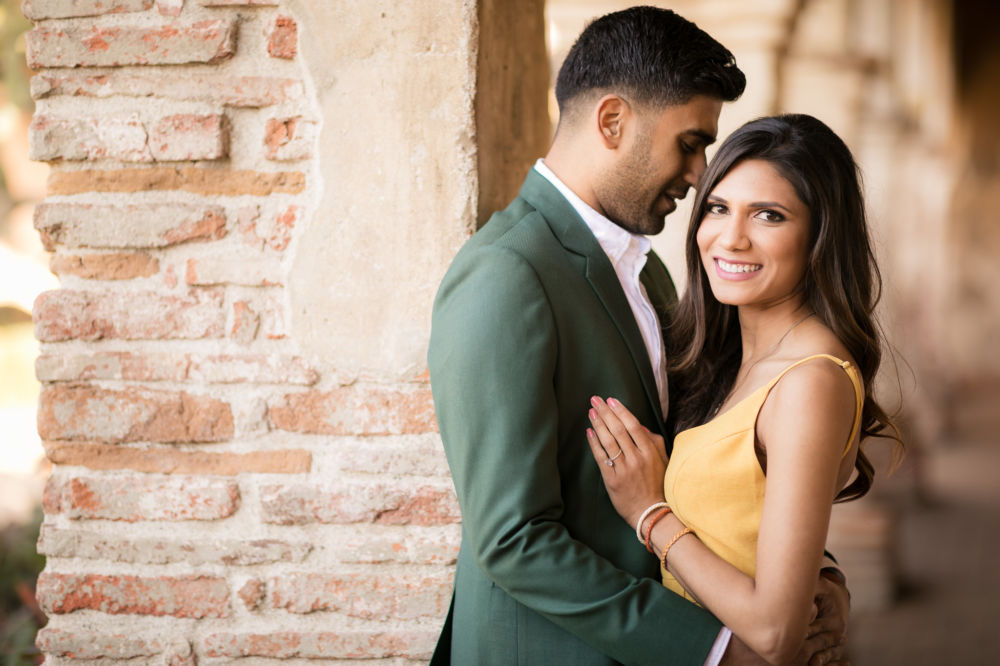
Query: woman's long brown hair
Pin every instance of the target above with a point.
(842, 283)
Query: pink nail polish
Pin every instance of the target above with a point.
(594, 400)
(613, 402)
(592, 414)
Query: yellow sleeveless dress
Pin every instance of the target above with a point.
(715, 485)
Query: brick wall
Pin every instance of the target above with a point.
(218, 491)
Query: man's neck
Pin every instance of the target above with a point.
(571, 169)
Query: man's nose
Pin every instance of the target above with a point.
(695, 168)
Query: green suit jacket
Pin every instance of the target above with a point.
(529, 322)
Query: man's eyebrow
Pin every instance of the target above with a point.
(705, 137)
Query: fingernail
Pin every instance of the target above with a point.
(593, 414)
(590, 433)
(594, 400)
(613, 402)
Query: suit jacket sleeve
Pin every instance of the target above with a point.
(492, 359)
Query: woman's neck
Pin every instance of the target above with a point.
(763, 329)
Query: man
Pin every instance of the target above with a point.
(555, 300)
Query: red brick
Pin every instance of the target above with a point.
(189, 136)
(398, 456)
(86, 412)
(290, 138)
(347, 644)
(200, 368)
(238, 3)
(135, 498)
(136, 315)
(52, 495)
(277, 231)
(114, 137)
(225, 182)
(91, 545)
(283, 38)
(89, 644)
(118, 266)
(246, 222)
(169, 7)
(402, 545)
(49, 9)
(229, 269)
(357, 410)
(246, 323)
(133, 226)
(94, 45)
(259, 369)
(178, 654)
(252, 593)
(112, 365)
(168, 460)
(236, 91)
(359, 503)
(127, 139)
(170, 277)
(427, 506)
(176, 596)
(273, 317)
(368, 596)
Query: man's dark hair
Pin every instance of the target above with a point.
(648, 55)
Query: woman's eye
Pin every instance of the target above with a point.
(770, 216)
(716, 209)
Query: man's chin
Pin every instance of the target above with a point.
(654, 225)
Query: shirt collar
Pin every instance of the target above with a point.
(619, 244)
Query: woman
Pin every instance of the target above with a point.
(774, 349)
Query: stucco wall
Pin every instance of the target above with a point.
(251, 205)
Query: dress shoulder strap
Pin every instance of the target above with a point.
(853, 374)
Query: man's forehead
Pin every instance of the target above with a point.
(698, 118)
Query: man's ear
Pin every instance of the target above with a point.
(612, 114)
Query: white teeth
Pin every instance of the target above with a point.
(738, 268)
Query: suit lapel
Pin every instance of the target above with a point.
(576, 237)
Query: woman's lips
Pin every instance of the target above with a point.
(735, 270)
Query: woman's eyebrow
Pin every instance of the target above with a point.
(769, 204)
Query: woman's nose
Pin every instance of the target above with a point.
(733, 235)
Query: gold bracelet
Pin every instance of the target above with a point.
(666, 549)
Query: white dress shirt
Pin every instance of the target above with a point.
(627, 253)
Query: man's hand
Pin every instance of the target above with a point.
(826, 641)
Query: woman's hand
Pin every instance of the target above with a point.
(631, 457)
